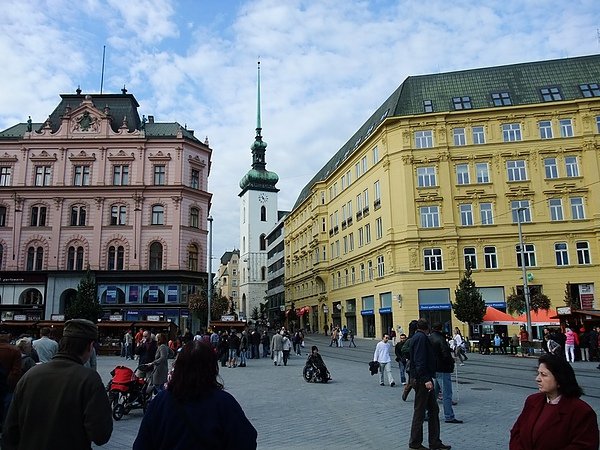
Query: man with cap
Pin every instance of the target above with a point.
(71, 398)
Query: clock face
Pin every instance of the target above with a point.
(262, 198)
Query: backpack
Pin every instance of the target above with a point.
(553, 347)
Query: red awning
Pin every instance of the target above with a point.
(497, 317)
(542, 317)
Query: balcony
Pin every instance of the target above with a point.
(336, 229)
(359, 215)
(344, 225)
(331, 232)
(365, 211)
(377, 204)
(349, 221)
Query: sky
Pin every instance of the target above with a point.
(326, 65)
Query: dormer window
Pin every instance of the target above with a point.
(551, 94)
(590, 90)
(501, 99)
(427, 106)
(462, 103)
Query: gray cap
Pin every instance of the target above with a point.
(81, 328)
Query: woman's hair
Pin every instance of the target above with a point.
(564, 374)
(161, 338)
(412, 328)
(195, 371)
(457, 330)
(22, 344)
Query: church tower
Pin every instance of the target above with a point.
(258, 216)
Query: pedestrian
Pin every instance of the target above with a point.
(351, 337)
(444, 366)
(277, 348)
(234, 348)
(422, 372)
(584, 344)
(40, 418)
(10, 371)
(146, 348)
(243, 348)
(25, 347)
(297, 341)
(128, 339)
(382, 356)
(214, 339)
(505, 341)
(459, 346)
(555, 418)
(393, 336)
(524, 341)
(333, 337)
(340, 339)
(401, 358)
(223, 348)
(265, 341)
(514, 344)
(45, 347)
(194, 391)
(593, 339)
(497, 344)
(570, 342)
(286, 348)
(160, 362)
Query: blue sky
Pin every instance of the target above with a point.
(326, 65)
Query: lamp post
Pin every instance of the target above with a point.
(209, 289)
(525, 286)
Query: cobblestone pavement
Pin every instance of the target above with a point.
(354, 412)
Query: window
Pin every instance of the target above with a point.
(516, 170)
(366, 199)
(116, 256)
(2, 219)
(351, 239)
(158, 213)
(430, 217)
(38, 216)
(120, 175)
(195, 179)
(598, 123)
(368, 233)
(262, 242)
(478, 135)
(550, 168)
(194, 217)
(364, 165)
(520, 208)
(78, 214)
(375, 153)
(556, 209)
(193, 259)
(426, 177)
(577, 211)
(501, 99)
(470, 257)
(462, 103)
(424, 139)
(566, 128)
(159, 175)
(361, 237)
(571, 166)
(462, 174)
(370, 270)
(345, 243)
(545, 127)
(5, 176)
(353, 275)
(35, 258)
(81, 176)
(377, 194)
(482, 172)
(590, 90)
(583, 252)
(427, 106)
(490, 257)
(118, 215)
(511, 132)
(42, 175)
(359, 204)
(432, 258)
(550, 94)
(378, 228)
(263, 213)
(362, 273)
(487, 214)
(466, 215)
(356, 173)
(380, 266)
(459, 136)
(75, 258)
(528, 253)
(561, 253)
(156, 255)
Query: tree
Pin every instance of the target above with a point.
(254, 314)
(85, 304)
(198, 304)
(468, 305)
(515, 302)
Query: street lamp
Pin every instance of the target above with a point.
(525, 286)
(209, 290)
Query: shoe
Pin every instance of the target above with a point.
(393, 384)
(404, 383)
(381, 384)
(454, 403)
(453, 421)
(442, 447)
(466, 358)
(407, 389)
(274, 363)
(420, 447)
(461, 364)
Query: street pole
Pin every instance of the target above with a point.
(209, 289)
(525, 286)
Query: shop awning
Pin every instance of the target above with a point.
(496, 317)
(541, 317)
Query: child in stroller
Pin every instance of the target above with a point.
(129, 390)
(315, 370)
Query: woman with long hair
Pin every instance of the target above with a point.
(555, 418)
(194, 412)
(459, 346)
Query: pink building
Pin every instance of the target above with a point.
(96, 186)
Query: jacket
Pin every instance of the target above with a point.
(10, 359)
(422, 358)
(58, 405)
(382, 353)
(277, 343)
(444, 362)
(161, 362)
(574, 426)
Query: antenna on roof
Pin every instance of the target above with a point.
(102, 75)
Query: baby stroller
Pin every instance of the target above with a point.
(315, 370)
(128, 390)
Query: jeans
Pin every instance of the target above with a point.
(444, 381)
(425, 400)
(277, 357)
(570, 352)
(243, 357)
(402, 366)
(265, 350)
(286, 355)
(385, 367)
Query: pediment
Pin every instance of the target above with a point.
(121, 156)
(82, 156)
(159, 156)
(43, 156)
(6, 158)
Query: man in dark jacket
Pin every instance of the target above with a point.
(444, 363)
(10, 372)
(422, 374)
(70, 397)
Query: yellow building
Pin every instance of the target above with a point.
(441, 174)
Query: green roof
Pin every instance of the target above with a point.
(521, 81)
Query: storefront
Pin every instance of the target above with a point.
(351, 315)
(435, 307)
(368, 316)
(385, 312)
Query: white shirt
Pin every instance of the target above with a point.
(382, 352)
(46, 348)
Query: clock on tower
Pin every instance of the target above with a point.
(262, 198)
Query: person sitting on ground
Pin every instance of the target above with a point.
(194, 391)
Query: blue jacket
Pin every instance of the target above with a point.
(219, 423)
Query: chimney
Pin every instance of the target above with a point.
(150, 119)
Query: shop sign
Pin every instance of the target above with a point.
(57, 317)
(386, 310)
(115, 317)
(172, 294)
(153, 318)
(586, 295)
(227, 318)
(367, 312)
(20, 317)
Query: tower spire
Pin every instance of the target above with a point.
(258, 123)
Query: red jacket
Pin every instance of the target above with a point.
(575, 427)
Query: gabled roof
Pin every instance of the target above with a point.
(522, 81)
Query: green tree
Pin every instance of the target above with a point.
(515, 302)
(254, 314)
(468, 305)
(85, 304)
(198, 304)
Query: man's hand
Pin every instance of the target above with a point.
(429, 386)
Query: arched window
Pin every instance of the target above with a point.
(79, 260)
(75, 258)
(116, 256)
(38, 216)
(193, 258)
(194, 217)
(35, 258)
(1, 257)
(263, 242)
(156, 255)
(2, 216)
(263, 213)
(263, 273)
(78, 214)
(158, 213)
